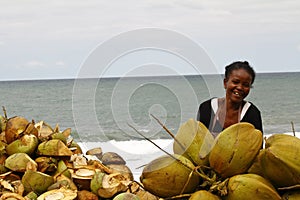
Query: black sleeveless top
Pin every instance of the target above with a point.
(207, 111)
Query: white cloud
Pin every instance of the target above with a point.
(77, 19)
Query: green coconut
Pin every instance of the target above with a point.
(126, 196)
(3, 121)
(31, 196)
(54, 147)
(59, 136)
(279, 161)
(25, 144)
(14, 127)
(19, 162)
(46, 164)
(96, 181)
(108, 185)
(203, 195)
(235, 149)
(167, 177)
(194, 141)
(2, 148)
(57, 194)
(77, 147)
(249, 187)
(63, 169)
(63, 181)
(36, 181)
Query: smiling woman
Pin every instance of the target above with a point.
(219, 113)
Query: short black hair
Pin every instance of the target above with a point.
(240, 65)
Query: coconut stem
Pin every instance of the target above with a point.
(4, 112)
(204, 176)
(154, 143)
(293, 129)
(169, 132)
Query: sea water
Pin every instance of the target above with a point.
(102, 112)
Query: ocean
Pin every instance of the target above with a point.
(101, 111)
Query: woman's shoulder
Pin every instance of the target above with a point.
(253, 108)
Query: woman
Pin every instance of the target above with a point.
(219, 113)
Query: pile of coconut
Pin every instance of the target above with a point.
(43, 163)
(235, 165)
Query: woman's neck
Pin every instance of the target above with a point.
(229, 105)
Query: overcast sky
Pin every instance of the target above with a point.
(53, 39)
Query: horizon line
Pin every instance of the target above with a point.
(131, 76)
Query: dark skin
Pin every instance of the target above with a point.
(237, 86)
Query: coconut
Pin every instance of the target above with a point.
(194, 141)
(14, 127)
(256, 167)
(11, 196)
(279, 161)
(126, 196)
(235, 149)
(36, 181)
(82, 178)
(20, 162)
(63, 169)
(203, 195)
(249, 187)
(122, 169)
(3, 121)
(112, 158)
(3, 146)
(62, 181)
(86, 195)
(96, 182)
(142, 194)
(62, 194)
(76, 149)
(167, 177)
(10, 176)
(44, 130)
(96, 152)
(46, 164)
(59, 136)
(25, 144)
(31, 196)
(112, 184)
(53, 147)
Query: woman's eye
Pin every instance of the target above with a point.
(246, 85)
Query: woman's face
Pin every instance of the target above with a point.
(237, 85)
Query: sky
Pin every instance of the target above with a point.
(55, 39)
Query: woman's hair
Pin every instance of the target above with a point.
(239, 65)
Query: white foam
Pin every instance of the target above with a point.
(136, 153)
